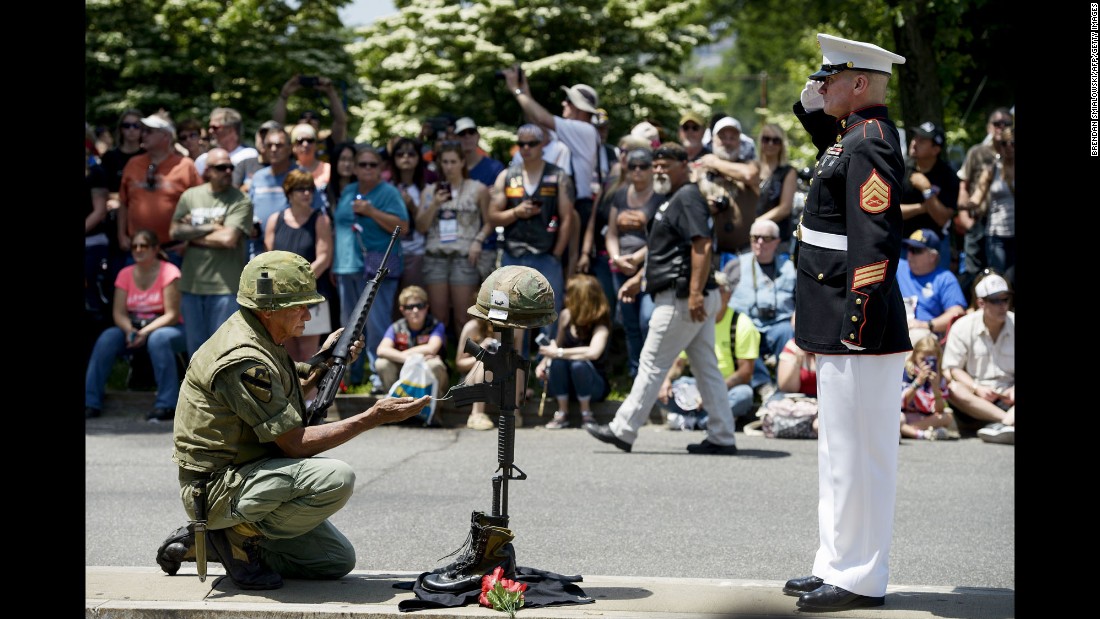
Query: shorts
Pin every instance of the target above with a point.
(912, 417)
(451, 269)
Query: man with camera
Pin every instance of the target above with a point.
(723, 164)
(766, 295)
(679, 276)
(339, 130)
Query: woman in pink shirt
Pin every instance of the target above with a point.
(146, 312)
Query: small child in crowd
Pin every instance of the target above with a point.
(924, 413)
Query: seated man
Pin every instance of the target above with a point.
(766, 293)
(417, 333)
(980, 360)
(932, 295)
(737, 346)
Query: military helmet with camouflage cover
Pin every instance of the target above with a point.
(515, 296)
(277, 280)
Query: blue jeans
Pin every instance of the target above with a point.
(350, 287)
(635, 320)
(739, 398)
(1000, 252)
(550, 267)
(601, 270)
(772, 341)
(587, 384)
(163, 344)
(203, 314)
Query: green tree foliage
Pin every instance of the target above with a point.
(439, 56)
(190, 56)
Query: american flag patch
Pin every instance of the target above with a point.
(870, 274)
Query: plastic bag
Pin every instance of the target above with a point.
(789, 417)
(417, 380)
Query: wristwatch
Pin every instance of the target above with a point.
(518, 91)
(931, 191)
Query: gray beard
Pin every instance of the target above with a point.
(662, 184)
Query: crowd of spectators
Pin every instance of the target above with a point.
(570, 204)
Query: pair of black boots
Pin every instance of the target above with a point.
(236, 548)
(488, 546)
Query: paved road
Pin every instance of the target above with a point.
(588, 508)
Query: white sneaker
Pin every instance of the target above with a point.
(998, 433)
(480, 421)
(674, 421)
(560, 420)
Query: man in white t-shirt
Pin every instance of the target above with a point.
(225, 126)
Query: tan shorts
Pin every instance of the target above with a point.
(451, 269)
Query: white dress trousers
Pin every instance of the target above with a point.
(857, 456)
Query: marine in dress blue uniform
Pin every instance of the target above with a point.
(851, 314)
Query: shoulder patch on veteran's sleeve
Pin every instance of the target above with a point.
(874, 194)
(257, 380)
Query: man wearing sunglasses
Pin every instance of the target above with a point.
(213, 220)
(980, 360)
(933, 297)
(225, 127)
(266, 188)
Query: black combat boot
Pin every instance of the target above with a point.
(180, 547)
(238, 547)
(488, 547)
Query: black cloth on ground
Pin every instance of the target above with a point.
(543, 589)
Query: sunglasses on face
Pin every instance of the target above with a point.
(997, 301)
(406, 153)
(1001, 124)
(414, 306)
(275, 145)
(303, 190)
(530, 144)
(140, 246)
(639, 166)
(767, 139)
(222, 167)
(130, 125)
(304, 141)
(691, 127)
(756, 237)
(368, 164)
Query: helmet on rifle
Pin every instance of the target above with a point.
(515, 296)
(276, 280)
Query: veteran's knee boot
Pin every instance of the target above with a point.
(238, 547)
(180, 547)
(490, 547)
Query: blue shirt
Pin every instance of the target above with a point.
(350, 244)
(931, 294)
(268, 197)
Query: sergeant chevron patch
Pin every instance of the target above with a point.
(870, 274)
(874, 194)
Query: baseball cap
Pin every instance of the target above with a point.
(923, 238)
(931, 131)
(691, 116)
(156, 122)
(726, 122)
(990, 285)
(838, 54)
(647, 131)
(464, 123)
(583, 97)
(639, 155)
(600, 118)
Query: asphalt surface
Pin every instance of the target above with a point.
(587, 508)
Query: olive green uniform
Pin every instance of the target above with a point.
(241, 391)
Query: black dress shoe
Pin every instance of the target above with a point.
(712, 449)
(605, 434)
(798, 586)
(832, 597)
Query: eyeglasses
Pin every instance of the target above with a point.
(691, 127)
(530, 144)
(767, 239)
(916, 251)
(303, 190)
(151, 176)
(140, 246)
(996, 301)
(304, 141)
(275, 145)
(368, 164)
(414, 306)
(767, 139)
(1001, 124)
(639, 166)
(405, 153)
(131, 125)
(222, 167)
(189, 136)
(466, 132)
